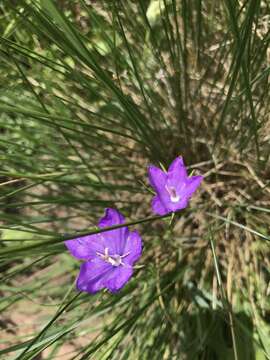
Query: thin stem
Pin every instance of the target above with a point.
(87, 233)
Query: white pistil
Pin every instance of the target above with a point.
(114, 260)
(173, 194)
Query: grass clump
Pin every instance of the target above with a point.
(91, 94)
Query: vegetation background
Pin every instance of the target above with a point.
(91, 93)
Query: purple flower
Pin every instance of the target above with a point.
(174, 188)
(109, 256)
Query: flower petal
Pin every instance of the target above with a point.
(179, 166)
(158, 181)
(157, 178)
(177, 173)
(133, 247)
(92, 275)
(192, 184)
(181, 204)
(158, 207)
(118, 278)
(114, 239)
(86, 247)
(111, 217)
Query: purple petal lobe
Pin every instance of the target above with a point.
(133, 248)
(112, 217)
(192, 184)
(114, 239)
(86, 247)
(157, 178)
(158, 181)
(158, 207)
(178, 168)
(92, 275)
(118, 278)
(177, 174)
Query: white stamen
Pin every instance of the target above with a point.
(114, 260)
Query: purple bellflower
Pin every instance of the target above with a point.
(109, 256)
(173, 188)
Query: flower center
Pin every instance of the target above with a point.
(173, 194)
(114, 260)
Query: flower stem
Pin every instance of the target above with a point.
(22, 249)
